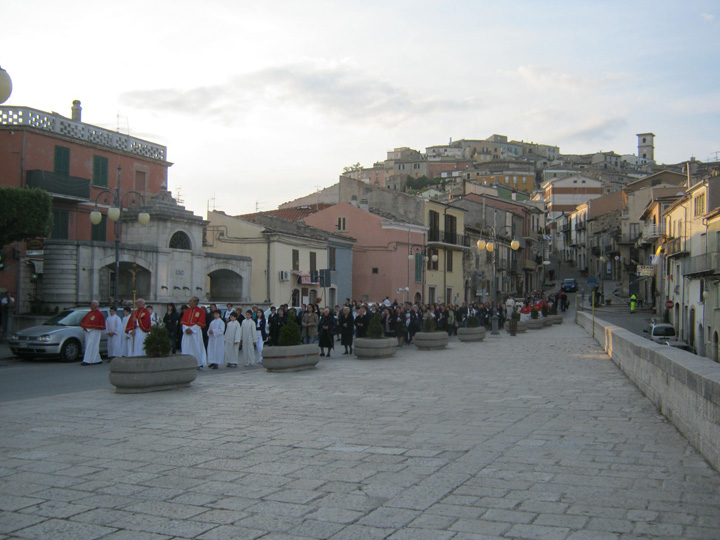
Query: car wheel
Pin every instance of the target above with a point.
(70, 351)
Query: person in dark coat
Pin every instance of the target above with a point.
(327, 330)
(361, 323)
(346, 322)
(171, 320)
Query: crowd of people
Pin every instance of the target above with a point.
(225, 337)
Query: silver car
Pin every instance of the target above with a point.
(59, 336)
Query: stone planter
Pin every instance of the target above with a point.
(535, 324)
(140, 374)
(555, 319)
(369, 348)
(471, 334)
(428, 341)
(522, 327)
(512, 327)
(547, 321)
(291, 358)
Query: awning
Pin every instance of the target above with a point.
(38, 264)
(304, 278)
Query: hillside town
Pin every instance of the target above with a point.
(475, 220)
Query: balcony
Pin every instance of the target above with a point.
(705, 264)
(529, 264)
(60, 186)
(677, 247)
(580, 226)
(436, 236)
(651, 233)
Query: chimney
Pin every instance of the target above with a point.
(364, 204)
(77, 111)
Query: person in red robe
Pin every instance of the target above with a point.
(94, 325)
(138, 329)
(192, 322)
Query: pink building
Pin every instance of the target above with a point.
(387, 256)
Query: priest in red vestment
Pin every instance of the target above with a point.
(138, 329)
(94, 325)
(193, 321)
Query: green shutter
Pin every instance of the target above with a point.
(418, 267)
(60, 225)
(100, 171)
(98, 233)
(62, 160)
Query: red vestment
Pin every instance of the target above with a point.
(142, 316)
(94, 320)
(193, 316)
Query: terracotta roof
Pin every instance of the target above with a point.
(295, 213)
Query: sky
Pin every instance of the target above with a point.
(263, 102)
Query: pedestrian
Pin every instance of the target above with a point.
(327, 330)
(361, 322)
(248, 338)
(232, 340)
(125, 347)
(154, 317)
(347, 329)
(114, 330)
(216, 341)
(260, 326)
(171, 320)
(633, 303)
(228, 311)
(310, 321)
(94, 325)
(138, 329)
(193, 322)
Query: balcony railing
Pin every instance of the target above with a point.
(59, 184)
(676, 247)
(447, 237)
(652, 232)
(707, 263)
(25, 116)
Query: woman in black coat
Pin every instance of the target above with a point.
(346, 322)
(327, 330)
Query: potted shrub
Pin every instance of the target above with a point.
(553, 316)
(472, 332)
(431, 338)
(535, 323)
(290, 354)
(375, 344)
(158, 370)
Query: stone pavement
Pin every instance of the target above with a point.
(534, 437)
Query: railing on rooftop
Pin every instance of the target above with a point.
(55, 123)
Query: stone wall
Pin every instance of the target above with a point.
(684, 387)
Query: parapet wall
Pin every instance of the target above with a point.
(684, 387)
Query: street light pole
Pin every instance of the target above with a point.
(490, 247)
(114, 214)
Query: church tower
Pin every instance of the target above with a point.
(646, 146)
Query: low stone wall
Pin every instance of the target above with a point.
(684, 387)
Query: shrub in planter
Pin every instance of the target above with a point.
(544, 310)
(157, 343)
(290, 332)
(553, 308)
(375, 344)
(534, 313)
(375, 329)
(431, 337)
(472, 331)
(473, 322)
(290, 354)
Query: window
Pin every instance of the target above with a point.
(341, 224)
(699, 205)
(375, 271)
(100, 171)
(140, 178)
(449, 260)
(62, 160)
(179, 240)
(98, 233)
(434, 220)
(331, 259)
(313, 261)
(60, 225)
(295, 259)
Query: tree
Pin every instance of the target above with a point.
(24, 213)
(353, 168)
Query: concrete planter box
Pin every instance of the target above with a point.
(428, 341)
(140, 374)
(535, 324)
(369, 348)
(522, 327)
(556, 319)
(471, 334)
(547, 321)
(291, 358)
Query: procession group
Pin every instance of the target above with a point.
(224, 338)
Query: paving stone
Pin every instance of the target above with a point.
(13, 521)
(60, 529)
(538, 532)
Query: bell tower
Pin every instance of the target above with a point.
(646, 146)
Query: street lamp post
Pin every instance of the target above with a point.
(114, 214)
(490, 245)
(5, 86)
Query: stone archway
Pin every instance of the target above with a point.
(224, 286)
(418, 298)
(133, 280)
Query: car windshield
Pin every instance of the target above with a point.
(66, 318)
(665, 331)
(569, 281)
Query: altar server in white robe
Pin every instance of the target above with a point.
(216, 341)
(115, 330)
(248, 338)
(126, 339)
(232, 340)
(193, 321)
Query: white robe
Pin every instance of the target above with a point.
(134, 347)
(216, 342)
(114, 325)
(248, 337)
(92, 347)
(232, 342)
(193, 345)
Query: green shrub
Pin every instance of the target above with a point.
(534, 313)
(375, 328)
(553, 308)
(545, 310)
(157, 342)
(290, 332)
(515, 316)
(430, 325)
(473, 322)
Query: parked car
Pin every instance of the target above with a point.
(569, 285)
(661, 332)
(60, 336)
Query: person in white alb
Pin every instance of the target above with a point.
(115, 331)
(216, 341)
(248, 338)
(192, 322)
(232, 341)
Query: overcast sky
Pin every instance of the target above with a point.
(262, 102)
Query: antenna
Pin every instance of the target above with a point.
(178, 195)
(257, 205)
(213, 203)
(716, 154)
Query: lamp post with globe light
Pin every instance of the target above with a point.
(5, 85)
(489, 246)
(415, 250)
(114, 214)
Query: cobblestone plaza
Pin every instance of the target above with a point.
(537, 436)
